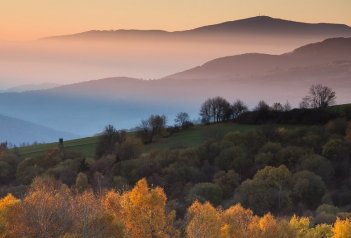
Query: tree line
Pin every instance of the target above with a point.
(51, 209)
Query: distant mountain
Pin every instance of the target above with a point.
(274, 77)
(31, 87)
(85, 108)
(151, 54)
(267, 26)
(264, 26)
(336, 50)
(16, 131)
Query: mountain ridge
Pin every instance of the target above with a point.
(262, 24)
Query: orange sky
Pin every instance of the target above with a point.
(32, 19)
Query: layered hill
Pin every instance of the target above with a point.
(154, 53)
(85, 108)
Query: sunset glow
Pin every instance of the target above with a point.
(28, 20)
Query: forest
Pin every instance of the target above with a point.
(289, 176)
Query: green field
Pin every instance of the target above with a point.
(187, 138)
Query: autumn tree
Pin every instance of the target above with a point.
(144, 213)
(44, 212)
(7, 205)
(203, 221)
(301, 225)
(238, 220)
(82, 182)
(92, 220)
(342, 228)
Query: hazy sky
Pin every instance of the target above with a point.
(32, 19)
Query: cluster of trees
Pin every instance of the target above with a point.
(51, 209)
(218, 109)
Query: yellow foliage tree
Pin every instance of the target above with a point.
(6, 206)
(301, 225)
(268, 226)
(342, 228)
(204, 221)
(320, 231)
(237, 220)
(144, 213)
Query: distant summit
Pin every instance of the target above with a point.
(261, 25)
(269, 25)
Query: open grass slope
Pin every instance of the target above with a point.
(187, 138)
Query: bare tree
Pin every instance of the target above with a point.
(238, 107)
(305, 103)
(215, 110)
(277, 106)
(287, 106)
(154, 126)
(182, 119)
(319, 97)
(262, 106)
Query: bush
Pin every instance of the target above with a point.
(206, 192)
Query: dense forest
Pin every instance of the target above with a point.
(288, 177)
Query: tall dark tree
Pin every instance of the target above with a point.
(238, 107)
(262, 106)
(277, 106)
(182, 119)
(153, 126)
(107, 141)
(215, 110)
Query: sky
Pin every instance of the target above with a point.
(23, 20)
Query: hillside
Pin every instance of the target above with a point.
(16, 131)
(191, 137)
(327, 51)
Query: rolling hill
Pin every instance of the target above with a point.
(85, 108)
(16, 131)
